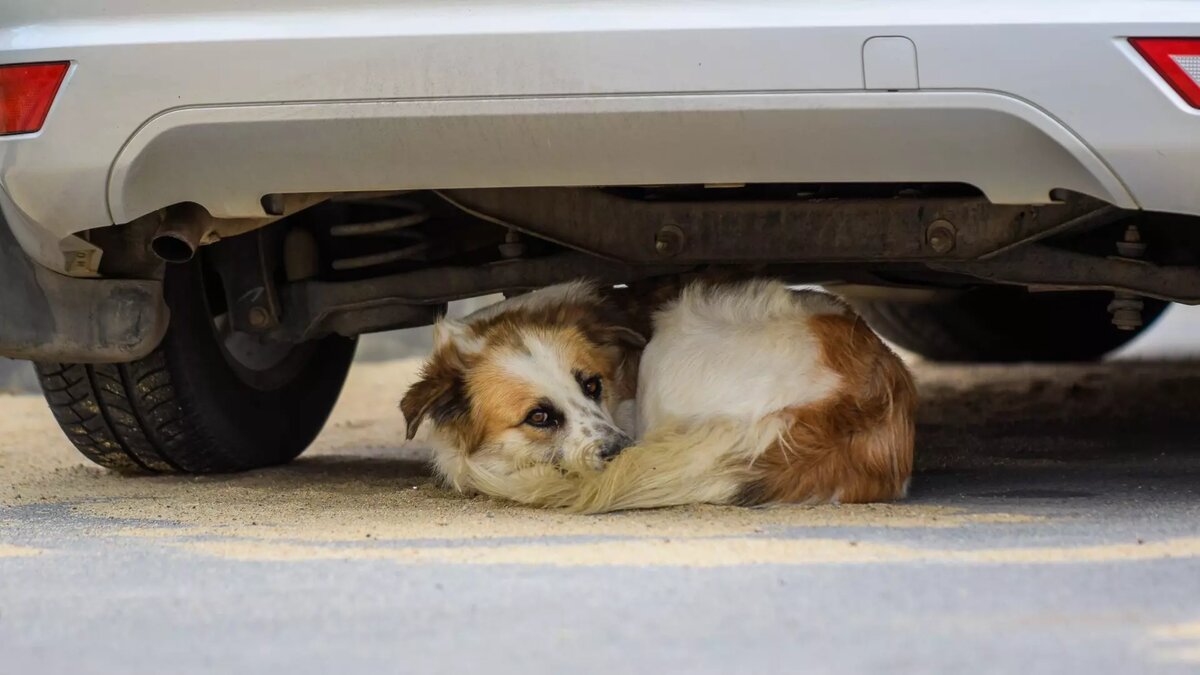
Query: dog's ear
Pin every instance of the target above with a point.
(612, 327)
(622, 336)
(625, 346)
(440, 393)
(448, 333)
(454, 334)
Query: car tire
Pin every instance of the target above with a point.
(190, 406)
(1005, 325)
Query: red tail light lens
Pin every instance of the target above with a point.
(1177, 60)
(26, 92)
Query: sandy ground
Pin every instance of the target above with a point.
(355, 481)
(1054, 524)
(360, 475)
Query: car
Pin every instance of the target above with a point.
(205, 203)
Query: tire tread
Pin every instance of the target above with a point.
(180, 409)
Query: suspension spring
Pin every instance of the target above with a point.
(411, 245)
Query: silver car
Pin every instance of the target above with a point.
(204, 203)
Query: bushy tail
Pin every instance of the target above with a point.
(708, 463)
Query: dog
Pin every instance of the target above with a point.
(747, 393)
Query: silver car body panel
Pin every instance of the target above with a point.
(180, 100)
(215, 155)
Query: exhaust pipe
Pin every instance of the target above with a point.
(184, 227)
(182, 230)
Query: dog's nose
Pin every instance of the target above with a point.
(613, 447)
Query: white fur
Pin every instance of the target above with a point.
(625, 416)
(741, 352)
(450, 462)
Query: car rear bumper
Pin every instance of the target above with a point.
(45, 316)
(219, 106)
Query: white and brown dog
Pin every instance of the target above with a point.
(748, 393)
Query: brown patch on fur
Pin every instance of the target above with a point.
(498, 402)
(857, 445)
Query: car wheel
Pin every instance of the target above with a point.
(207, 400)
(1005, 325)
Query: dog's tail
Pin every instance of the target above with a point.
(705, 464)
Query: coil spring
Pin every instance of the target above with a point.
(413, 245)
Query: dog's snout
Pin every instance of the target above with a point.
(614, 446)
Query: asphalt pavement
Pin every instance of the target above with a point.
(1053, 526)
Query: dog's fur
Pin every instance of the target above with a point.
(748, 393)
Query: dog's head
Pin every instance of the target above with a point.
(534, 381)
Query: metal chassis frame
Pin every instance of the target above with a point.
(622, 240)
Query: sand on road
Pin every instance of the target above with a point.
(361, 486)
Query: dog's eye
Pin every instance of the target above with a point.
(592, 388)
(541, 418)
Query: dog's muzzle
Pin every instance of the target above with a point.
(613, 447)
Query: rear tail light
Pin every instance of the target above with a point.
(26, 92)
(1177, 60)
